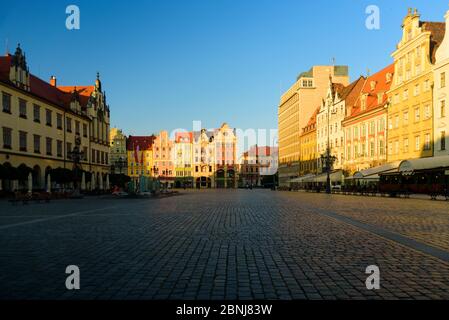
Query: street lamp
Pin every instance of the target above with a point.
(76, 155)
(328, 160)
(120, 164)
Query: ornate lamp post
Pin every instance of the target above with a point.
(327, 161)
(76, 155)
(120, 164)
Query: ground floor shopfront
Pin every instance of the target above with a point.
(15, 168)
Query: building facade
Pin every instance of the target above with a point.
(296, 107)
(441, 96)
(365, 126)
(226, 162)
(163, 159)
(410, 112)
(183, 159)
(41, 123)
(140, 157)
(118, 157)
(330, 118)
(308, 146)
(256, 163)
(203, 159)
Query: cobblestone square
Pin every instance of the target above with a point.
(226, 244)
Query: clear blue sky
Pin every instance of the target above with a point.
(166, 63)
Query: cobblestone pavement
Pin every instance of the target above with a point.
(225, 244)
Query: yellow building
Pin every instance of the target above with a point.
(296, 107)
(118, 157)
(410, 112)
(40, 122)
(140, 156)
(308, 147)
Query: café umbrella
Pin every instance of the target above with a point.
(107, 182)
(83, 181)
(92, 182)
(30, 183)
(48, 183)
(100, 181)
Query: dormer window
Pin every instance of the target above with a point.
(364, 102)
(373, 85)
(388, 77)
(380, 97)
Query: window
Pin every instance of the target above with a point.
(37, 143)
(48, 117)
(417, 114)
(7, 138)
(381, 148)
(92, 158)
(22, 108)
(48, 146)
(372, 148)
(77, 127)
(406, 145)
(443, 108)
(85, 154)
(6, 102)
(427, 141)
(442, 79)
(22, 141)
(59, 148)
(372, 128)
(443, 141)
(405, 117)
(416, 90)
(417, 143)
(68, 149)
(405, 96)
(426, 85)
(85, 131)
(59, 121)
(390, 123)
(69, 124)
(396, 121)
(396, 147)
(426, 112)
(382, 125)
(37, 113)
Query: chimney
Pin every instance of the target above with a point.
(53, 81)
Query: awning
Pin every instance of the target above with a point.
(410, 166)
(336, 176)
(302, 178)
(373, 173)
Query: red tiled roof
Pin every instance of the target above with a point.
(352, 91)
(312, 121)
(261, 151)
(437, 30)
(144, 142)
(180, 135)
(60, 96)
(381, 86)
